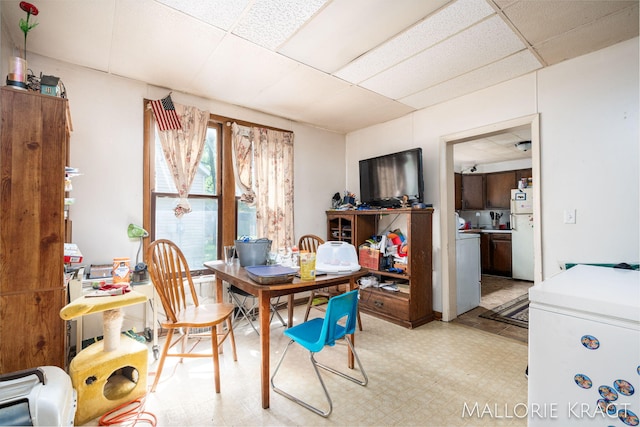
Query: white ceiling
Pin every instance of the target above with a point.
(493, 149)
(337, 64)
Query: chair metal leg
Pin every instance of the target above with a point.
(246, 313)
(274, 311)
(297, 400)
(362, 382)
(243, 310)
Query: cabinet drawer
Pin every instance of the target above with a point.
(381, 302)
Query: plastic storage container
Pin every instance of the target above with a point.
(253, 252)
(336, 257)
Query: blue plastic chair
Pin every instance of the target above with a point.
(316, 334)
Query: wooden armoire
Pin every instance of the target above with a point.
(34, 149)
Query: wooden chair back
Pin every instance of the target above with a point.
(309, 242)
(168, 270)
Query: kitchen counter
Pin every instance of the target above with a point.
(485, 230)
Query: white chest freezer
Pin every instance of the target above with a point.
(584, 348)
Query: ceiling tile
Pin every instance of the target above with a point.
(442, 24)
(298, 91)
(365, 24)
(220, 13)
(174, 47)
(234, 78)
(605, 32)
(473, 48)
(364, 109)
(558, 16)
(508, 68)
(270, 22)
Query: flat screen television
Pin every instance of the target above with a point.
(385, 179)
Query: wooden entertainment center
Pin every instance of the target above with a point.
(413, 305)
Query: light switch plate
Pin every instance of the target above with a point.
(570, 216)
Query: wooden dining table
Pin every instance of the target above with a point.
(238, 276)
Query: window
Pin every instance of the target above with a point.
(196, 233)
(200, 233)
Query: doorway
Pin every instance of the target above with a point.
(448, 225)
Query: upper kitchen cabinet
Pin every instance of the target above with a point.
(498, 189)
(473, 192)
(523, 173)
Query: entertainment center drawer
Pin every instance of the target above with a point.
(375, 301)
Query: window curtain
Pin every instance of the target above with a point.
(242, 154)
(183, 149)
(264, 165)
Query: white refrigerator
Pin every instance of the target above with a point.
(522, 234)
(584, 348)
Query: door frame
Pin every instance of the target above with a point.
(447, 202)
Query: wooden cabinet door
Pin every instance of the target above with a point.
(458, 191)
(501, 254)
(485, 252)
(33, 153)
(472, 192)
(498, 188)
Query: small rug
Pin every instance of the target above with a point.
(515, 312)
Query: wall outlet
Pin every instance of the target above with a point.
(570, 216)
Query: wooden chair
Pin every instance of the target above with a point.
(170, 275)
(310, 243)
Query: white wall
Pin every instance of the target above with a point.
(589, 144)
(590, 157)
(106, 145)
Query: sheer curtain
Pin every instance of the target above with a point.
(182, 149)
(269, 174)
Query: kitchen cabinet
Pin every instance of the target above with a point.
(413, 306)
(523, 173)
(498, 189)
(473, 192)
(487, 191)
(34, 146)
(495, 253)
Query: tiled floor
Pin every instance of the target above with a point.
(495, 291)
(440, 374)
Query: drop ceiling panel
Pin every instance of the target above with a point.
(322, 43)
(508, 68)
(220, 13)
(270, 22)
(169, 47)
(558, 16)
(64, 30)
(605, 32)
(239, 71)
(364, 108)
(473, 48)
(295, 94)
(442, 24)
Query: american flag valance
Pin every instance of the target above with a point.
(165, 114)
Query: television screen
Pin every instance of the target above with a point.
(385, 179)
